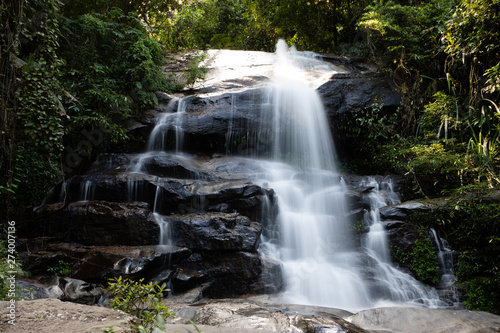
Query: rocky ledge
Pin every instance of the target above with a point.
(248, 315)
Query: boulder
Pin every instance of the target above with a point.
(215, 231)
(353, 92)
(416, 320)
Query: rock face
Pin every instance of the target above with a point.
(185, 221)
(227, 106)
(97, 223)
(233, 232)
(193, 221)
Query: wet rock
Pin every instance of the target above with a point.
(215, 231)
(392, 212)
(346, 93)
(271, 279)
(96, 223)
(253, 315)
(163, 166)
(186, 279)
(177, 184)
(97, 264)
(63, 288)
(225, 273)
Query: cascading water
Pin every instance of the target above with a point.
(382, 194)
(446, 268)
(87, 190)
(321, 264)
(388, 284)
(314, 245)
(156, 146)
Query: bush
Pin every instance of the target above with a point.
(471, 228)
(10, 265)
(140, 300)
(113, 70)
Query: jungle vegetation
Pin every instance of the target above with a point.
(73, 69)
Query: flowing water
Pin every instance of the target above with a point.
(446, 268)
(312, 238)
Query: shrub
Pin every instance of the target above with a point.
(140, 300)
(10, 265)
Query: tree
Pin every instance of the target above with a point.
(11, 13)
(472, 37)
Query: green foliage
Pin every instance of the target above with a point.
(35, 174)
(112, 62)
(472, 37)
(140, 300)
(146, 9)
(424, 261)
(315, 25)
(211, 23)
(194, 71)
(113, 70)
(376, 128)
(471, 225)
(493, 82)
(435, 170)
(405, 38)
(440, 118)
(10, 265)
(481, 294)
(484, 143)
(36, 140)
(405, 35)
(40, 109)
(62, 268)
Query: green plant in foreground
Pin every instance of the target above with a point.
(194, 325)
(140, 300)
(62, 268)
(10, 265)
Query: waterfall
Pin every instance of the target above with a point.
(158, 136)
(87, 190)
(321, 264)
(381, 195)
(447, 281)
(315, 247)
(388, 284)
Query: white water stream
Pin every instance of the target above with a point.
(313, 240)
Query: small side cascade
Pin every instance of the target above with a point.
(390, 283)
(383, 194)
(179, 132)
(87, 190)
(447, 281)
(164, 239)
(172, 118)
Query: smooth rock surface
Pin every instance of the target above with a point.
(53, 315)
(418, 320)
